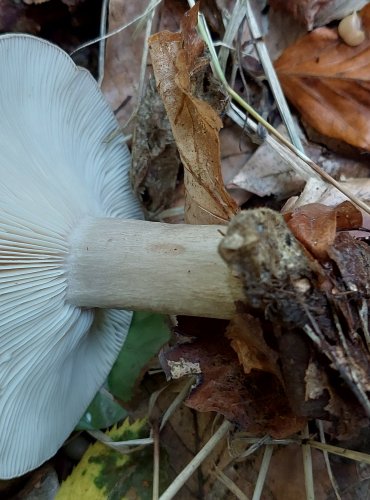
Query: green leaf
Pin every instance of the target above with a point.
(102, 412)
(147, 334)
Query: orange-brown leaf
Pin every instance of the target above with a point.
(246, 338)
(329, 83)
(194, 123)
(315, 225)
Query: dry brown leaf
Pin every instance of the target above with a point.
(246, 336)
(195, 125)
(266, 173)
(315, 225)
(317, 12)
(328, 82)
(286, 475)
(255, 401)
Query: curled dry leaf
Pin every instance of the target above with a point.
(195, 125)
(315, 225)
(328, 82)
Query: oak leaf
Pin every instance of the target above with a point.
(328, 82)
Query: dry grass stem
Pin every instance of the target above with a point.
(307, 467)
(196, 461)
(327, 461)
(262, 473)
(272, 79)
(358, 456)
(311, 166)
(226, 481)
(152, 5)
(177, 401)
(103, 30)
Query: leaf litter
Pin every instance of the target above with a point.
(328, 82)
(297, 349)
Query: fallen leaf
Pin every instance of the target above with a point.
(102, 412)
(313, 13)
(256, 401)
(246, 336)
(105, 473)
(286, 475)
(328, 82)
(315, 225)
(148, 332)
(195, 125)
(266, 173)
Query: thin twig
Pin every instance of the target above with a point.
(123, 447)
(254, 447)
(196, 461)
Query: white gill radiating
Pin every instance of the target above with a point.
(58, 164)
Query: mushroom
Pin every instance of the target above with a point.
(351, 30)
(69, 243)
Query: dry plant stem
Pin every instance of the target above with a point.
(196, 462)
(307, 467)
(156, 459)
(288, 156)
(327, 461)
(253, 448)
(272, 78)
(103, 30)
(341, 452)
(152, 5)
(262, 473)
(144, 57)
(177, 401)
(124, 447)
(237, 16)
(140, 265)
(226, 481)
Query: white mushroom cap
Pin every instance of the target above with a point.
(60, 161)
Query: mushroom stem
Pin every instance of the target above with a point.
(139, 265)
